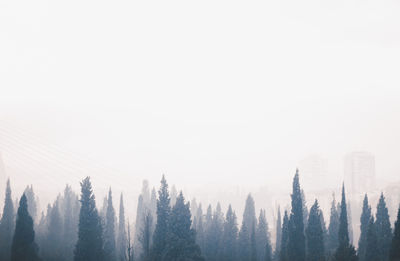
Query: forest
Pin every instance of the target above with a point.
(174, 229)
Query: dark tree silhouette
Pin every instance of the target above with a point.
(7, 224)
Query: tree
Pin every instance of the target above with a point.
(278, 234)
(161, 230)
(23, 246)
(200, 236)
(145, 236)
(283, 255)
(90, 240)
(296, 246)
(32, 202)
(214, 233)
(70, 213)
(249, 214)
(345, 251)
(371, 250)
(229, 237)
(333, 229)
(7, 224)
(315, 235)
(263, 239)
(364, 224)
(181, 244)
(383, 229)
(110, 252)
(53, 239)
(244, 244)
(395, 246)
(121, 238)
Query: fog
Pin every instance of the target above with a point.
(223, 97)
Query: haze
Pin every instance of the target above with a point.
(220, 96)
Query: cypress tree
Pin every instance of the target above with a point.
(163, 213)
(278, 234)
(244, 245)
(315, 235)
(200, 237)
(70, 213)
(181, 244)
(395, 246)
(263, 239)
(7, 224)
(23, 246)
(229, 237)
(121, 240)
(283, 255)
(296, 245)
(32, 202)
(214, 234)
(383, 229)
(364, 223)
(145, 236)
(209, 235)
(249, 214)
(110, 252)
(371, 250)
(253, 244)
(54, 235)
(345, 251)
(333, 229)
(89, 246)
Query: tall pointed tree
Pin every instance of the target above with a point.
(278, 234)
(32, 202)
(364, 223)
(395, 246)
(23, 246)
(163, 213)
(7, 224)
(315, 235)
(229, 237)
(283, 255)
(181, 244)
(333, 229)
(296, 245)
(54, 240)
(345, 251)
(244, 244)
(383, 229)
(262, 238)
(90, 240)
(371, 249)
(145, 236)
(110, 252)
(121, 238)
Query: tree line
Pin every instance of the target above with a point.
(169, 228)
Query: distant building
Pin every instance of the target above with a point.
(359, 172)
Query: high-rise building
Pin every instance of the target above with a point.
(359, 172)
(313, 172)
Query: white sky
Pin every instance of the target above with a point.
(233, 93)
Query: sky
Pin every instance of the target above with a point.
(213, 94)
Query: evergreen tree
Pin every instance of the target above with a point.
(229, 237)
(70, 213)
(52, 249)
(121, 239)
(90, 240)
(163, 213)
(296, 245)
(395, 246)
(200, 237)
(7, 224)
(263, 239)
(278, 234)
(181, 244)
(214, 233)
(174, 194)
(364, 224)
(23, 246)
(283, 255)
(244, 244)
(249, 214)
(145, 236)
(333, 229)
(305, 209)
(110, 252)
(383, 229)
(32, 202)
(315, 235)
(371, 250)
(253, 244)
(345, 251)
